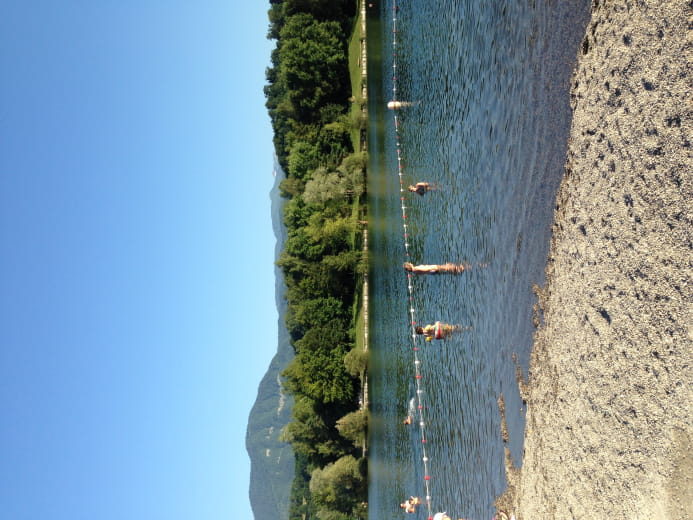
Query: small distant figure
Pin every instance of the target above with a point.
(410, 504)
(396, 105)
(421, 188)
(438, 330)
(447, 268)
(441, 516)
(407, 420)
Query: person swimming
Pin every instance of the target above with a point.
(421, 188)
(410, 504)
(446, 268)
(438, 330)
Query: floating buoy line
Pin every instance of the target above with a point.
(396, 104)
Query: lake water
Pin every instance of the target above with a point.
(490, 123)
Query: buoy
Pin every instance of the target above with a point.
(396, 105)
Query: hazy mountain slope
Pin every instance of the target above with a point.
(271, 461)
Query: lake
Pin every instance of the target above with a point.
(489, 83)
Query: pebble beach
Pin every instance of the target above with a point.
(608, 394)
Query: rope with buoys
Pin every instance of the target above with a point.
(395, 105)
(420, 409)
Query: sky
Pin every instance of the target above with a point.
(137, 311)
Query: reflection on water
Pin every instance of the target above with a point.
(489, 126)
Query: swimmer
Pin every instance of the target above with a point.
(447, 268)
(407, 420)
(438, 330)
(420, 188)
(408, 507)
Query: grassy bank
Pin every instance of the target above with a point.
(358, 117)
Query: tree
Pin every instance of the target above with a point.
(333, 233)
(319, 311)
(356, 361)
(347, 180)
(290, 187)
(307, 430)
(276, 19)
(355, 162)
(296, 214)
(353, 427)
(323, 9)
(324, 186)
(301, 244)
(310, 436)
(332, 112)
(334, 142)
(327, 514)
(313, 63)
(302, 159)
(344, 262)
(336, 486)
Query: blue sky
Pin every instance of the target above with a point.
(137, 308)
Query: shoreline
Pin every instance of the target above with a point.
(609, 429)
(363, 68)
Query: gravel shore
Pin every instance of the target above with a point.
(609, 431)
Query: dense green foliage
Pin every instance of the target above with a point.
(307, 96)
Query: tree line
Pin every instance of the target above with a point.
(307, 97)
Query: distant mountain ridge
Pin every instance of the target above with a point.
(272, 461)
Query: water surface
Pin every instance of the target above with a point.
(490, 125)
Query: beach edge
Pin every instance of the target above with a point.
(608, 430)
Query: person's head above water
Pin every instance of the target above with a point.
(420, 188)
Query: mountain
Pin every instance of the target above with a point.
(272, 461)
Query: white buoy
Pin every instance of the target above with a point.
(396, 105)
